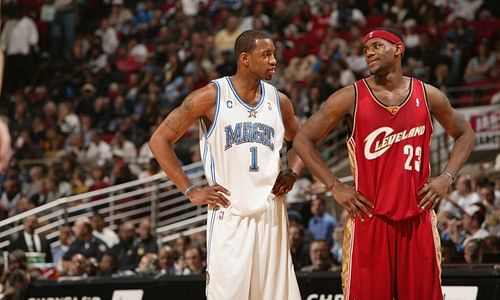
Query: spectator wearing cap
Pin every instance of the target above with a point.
(474, 216)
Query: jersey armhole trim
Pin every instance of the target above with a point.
(427, 105)
(278, 103)
(217, 109)
(354, 110)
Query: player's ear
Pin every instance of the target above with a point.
(399, 49)
(244, 58)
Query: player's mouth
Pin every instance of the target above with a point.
(271, 70)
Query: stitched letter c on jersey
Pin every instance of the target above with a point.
(371, 138)
(381, 139)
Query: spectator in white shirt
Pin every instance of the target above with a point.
(109, 38)
(125, 147)
(97, 151)
(474, 216)
(103, 232)
(19, 40)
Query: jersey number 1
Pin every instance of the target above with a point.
(408, 150)
(253, 164)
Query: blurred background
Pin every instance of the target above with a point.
(87, 81)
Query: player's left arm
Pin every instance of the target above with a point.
(285, 181)
(460, 130)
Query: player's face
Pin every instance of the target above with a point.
(379, 56)
(261, 61)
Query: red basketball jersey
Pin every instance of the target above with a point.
(389, 150)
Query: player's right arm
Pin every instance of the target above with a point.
(5, 139)
(337, 106)
(198, 104)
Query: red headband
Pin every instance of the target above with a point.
(383, 34)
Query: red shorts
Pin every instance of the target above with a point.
(385, 259)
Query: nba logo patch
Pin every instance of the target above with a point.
(221, 215)
(269, 107)
(417, 102)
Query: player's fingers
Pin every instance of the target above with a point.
(425, 199)
(365, 201)
(364, 209)
(436, 201)
(221, 199)
(429, 198)
(423, 190)
(360, 215)
(222, 189)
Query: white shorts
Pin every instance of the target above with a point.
(248, 257)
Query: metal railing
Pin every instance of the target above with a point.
(158, 199)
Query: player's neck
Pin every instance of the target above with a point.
(391, 80)
(247, 87)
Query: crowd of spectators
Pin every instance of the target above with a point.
(86, 82)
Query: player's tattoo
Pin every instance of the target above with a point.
(458, 122)
(320, 125)
(174, 120)
(187, 105)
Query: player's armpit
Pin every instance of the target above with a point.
(290, 121)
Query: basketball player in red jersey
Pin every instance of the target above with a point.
(391, 244)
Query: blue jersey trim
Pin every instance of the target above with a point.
(261, 99)
(217, 109)
(278, 103)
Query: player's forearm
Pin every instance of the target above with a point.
(168, 161)
(460, 152)
(294, 162)
(311, 157)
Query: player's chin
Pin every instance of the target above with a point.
(373, 70)
(268, 76)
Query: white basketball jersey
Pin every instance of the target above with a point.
(241, 149)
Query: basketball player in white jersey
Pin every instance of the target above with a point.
(243, 124)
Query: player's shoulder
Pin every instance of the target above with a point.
(205, 94)
(344, 94)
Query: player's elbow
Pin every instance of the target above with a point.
(299, 141)
(154, 142)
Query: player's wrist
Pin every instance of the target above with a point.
(191, 187)
(292, 173)
(448, 175)
(334, 184)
